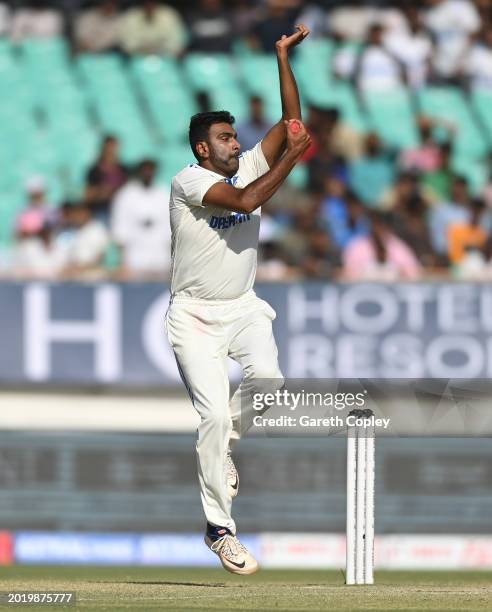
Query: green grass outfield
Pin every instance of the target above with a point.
(153, 588)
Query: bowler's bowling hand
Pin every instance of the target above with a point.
(298, 140)
(287, 42)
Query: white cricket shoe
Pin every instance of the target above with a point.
(233, 555)
(231, 475)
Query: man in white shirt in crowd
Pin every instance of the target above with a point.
(214, 312)
(376, 69)
(151, 28)
(451, 22)
(36, 20)
(412, 46)
(140, 224)
(97, 29)
(477, 64)
(86, 245)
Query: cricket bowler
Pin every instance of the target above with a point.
(214, 313)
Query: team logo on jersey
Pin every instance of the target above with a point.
(229, 221)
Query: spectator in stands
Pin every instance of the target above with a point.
(38, 212)
(438, 182)
(376, 69)
(487, 188)
(87, 245)
(334, 143)
(104, 178)
(324, 164)
(321, 258)
(244, 16)
(5, 19)
(36, 20)
(451, 22)
(250, 132)
(97, 29)
(314, 18)
(153, 29)
(476, 263)
(371, 175)
(467, 235)
(279, 17)
(381, 256)
(405, 189)
(351, 22)
(446, 214)
(477, 64)
(412, 47)
(484, 8)
(210, 27)
(140, 224)
(271, 264)
(343, 213)
(37, 254)
(294, 243)
(409, 220)
(475, 266)
(340, 137)
(426, 156)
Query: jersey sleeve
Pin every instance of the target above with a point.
(193, 184)
(254, 163)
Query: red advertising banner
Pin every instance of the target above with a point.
(6, 548)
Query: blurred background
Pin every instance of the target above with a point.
(376, 255)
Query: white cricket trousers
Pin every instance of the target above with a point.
(203, 334)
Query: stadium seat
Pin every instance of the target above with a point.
(390, 115)
(167, 97)
(232, 99)
(298, 178)
(312, 65)
(474, 171)
(449, 103)
(118, 111)
(172, 159)
(482, 104)
(5, 46)
(259, 73)
(208, 72)
(342, 96)
(46, 53)
(11, 202)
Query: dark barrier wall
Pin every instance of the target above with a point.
(114, 333)
(102, 482)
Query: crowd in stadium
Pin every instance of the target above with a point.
(364, 205)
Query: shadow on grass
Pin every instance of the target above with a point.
(164, 583)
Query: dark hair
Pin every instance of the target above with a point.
(382, 219)
(146, 161)
(459, 179)
(200, 125)
(331, 114)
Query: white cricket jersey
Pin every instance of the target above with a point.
(213, 250)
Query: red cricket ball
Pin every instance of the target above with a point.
(295, 126)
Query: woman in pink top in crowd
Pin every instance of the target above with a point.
(380, 256)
